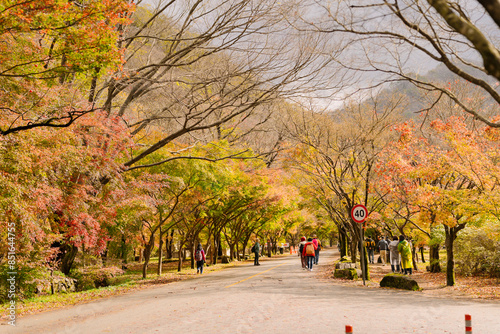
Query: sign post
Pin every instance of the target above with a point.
(359, 213)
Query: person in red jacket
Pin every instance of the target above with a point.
(310, 253)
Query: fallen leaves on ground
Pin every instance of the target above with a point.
(432, 284)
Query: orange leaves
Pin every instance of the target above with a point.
(51, 181)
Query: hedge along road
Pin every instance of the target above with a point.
(276, 297)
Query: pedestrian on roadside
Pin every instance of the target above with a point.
(256, 251)
(317, 243)
(370, 248)
(384, 247)
(405, 250)
(200, 259)
(310, 253)
(393, 250)
(301, 249)
(388, 258)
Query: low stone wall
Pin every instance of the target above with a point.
(56, 284)
(345, 265)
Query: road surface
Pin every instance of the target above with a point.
(276, 297)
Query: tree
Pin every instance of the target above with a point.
(446, 177)
(51, 187)
(339, 163)
(206, 67)
(389, 38)
(48, 49)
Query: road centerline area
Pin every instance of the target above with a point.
(246, 279)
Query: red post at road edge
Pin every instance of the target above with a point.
(468, 324)
(348, 329)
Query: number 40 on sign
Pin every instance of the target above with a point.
(359, 213)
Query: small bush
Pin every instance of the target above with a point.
(27, 278)
(477, 251)
(92, 278)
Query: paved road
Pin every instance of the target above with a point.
(276, 297)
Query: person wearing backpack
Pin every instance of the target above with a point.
(310, 253)
(199, 256)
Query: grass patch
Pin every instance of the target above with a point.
(48, 302)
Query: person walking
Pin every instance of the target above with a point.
(405, 250)
(200, 259)
(393, 250)
(317, 243)
(370, 248)
(301, 249)
(384, 247)
(310, 253)
(256, 251)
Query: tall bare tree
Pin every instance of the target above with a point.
(387, 41)
(195, 70)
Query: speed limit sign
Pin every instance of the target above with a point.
(359, 213)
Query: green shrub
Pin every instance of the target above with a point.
(92, 278)
(27, 278)
(477, 251)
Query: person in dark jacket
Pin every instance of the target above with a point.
(256, 251)
(370, 248)
(383, 246)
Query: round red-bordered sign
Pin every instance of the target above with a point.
(359, 213)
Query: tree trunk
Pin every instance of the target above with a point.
(231, 251)
(366, 271)
(170, 245)
(124, 250)
(68, 259)
(147, 255)
(414, 257)
(343, 243)
(451, 236)
(160, 256)
(422, 254)
(214, 251)
(450, 261)
(104, 255)
(435, 267)
(353, 243)
(219, 245)
(179, 265)
(192, 247)
(141, 254)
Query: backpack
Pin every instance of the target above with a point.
(198, 256)
(310, 250)
(253, 249)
